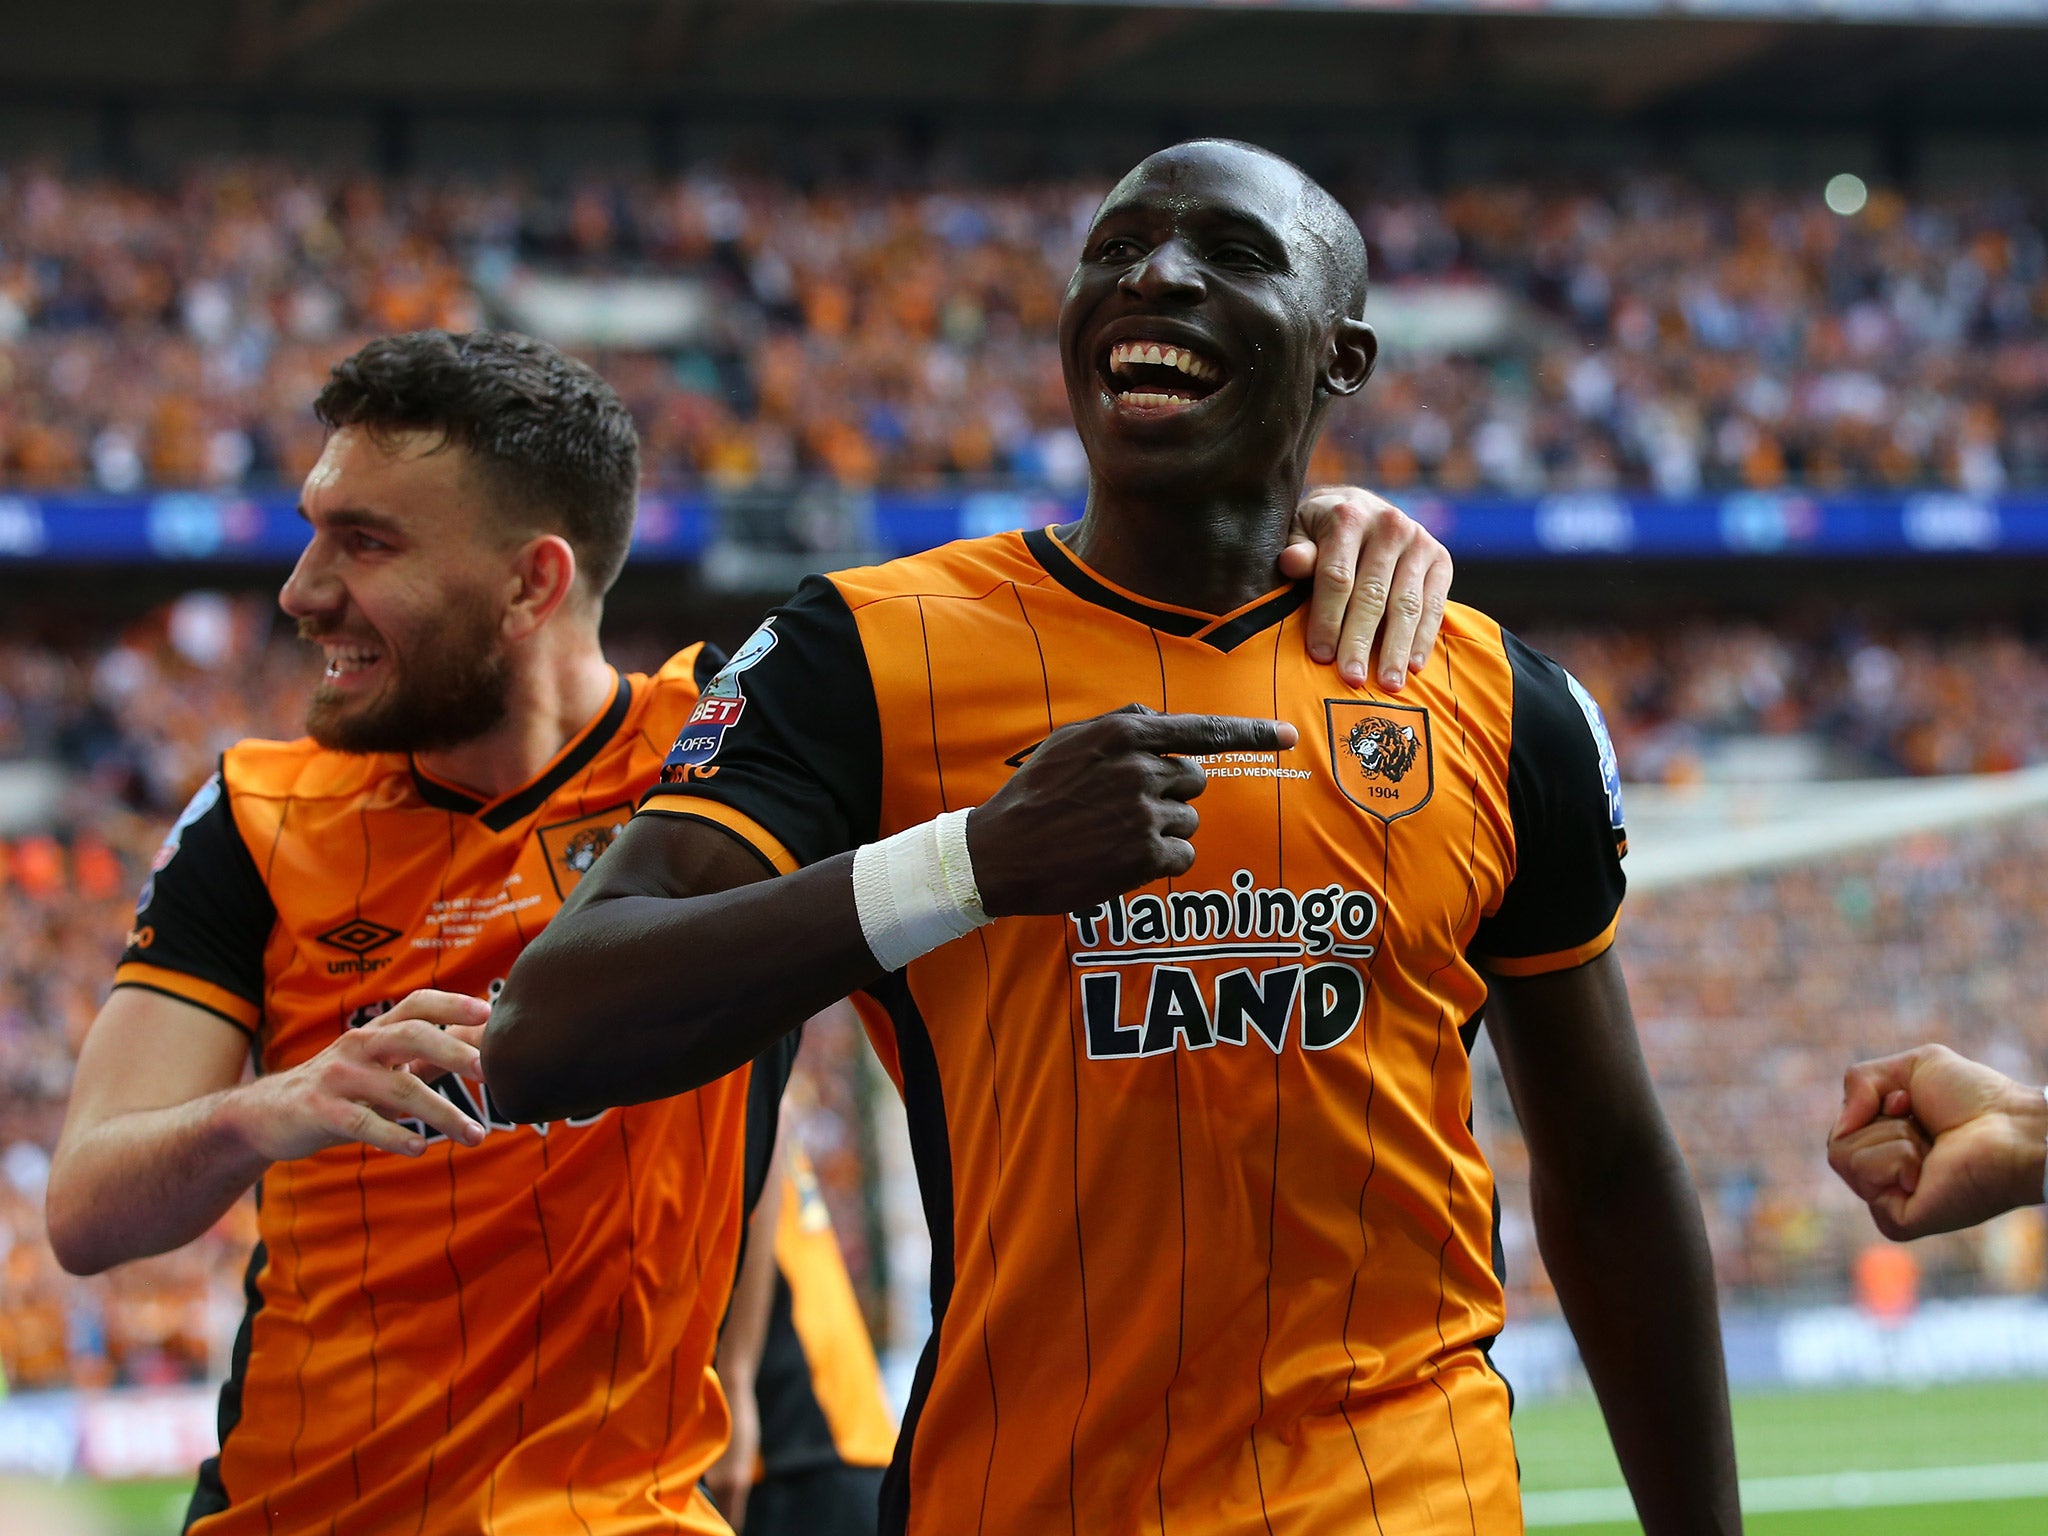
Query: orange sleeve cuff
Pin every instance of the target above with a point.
(238, 1011)
(742, 826)
(1558, 960)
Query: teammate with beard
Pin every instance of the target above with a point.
(1212, 1238)
(456, 1323)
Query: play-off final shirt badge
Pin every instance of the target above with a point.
(718, 709)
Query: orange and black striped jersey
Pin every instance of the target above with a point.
(819, 1387)
(510, 1338)
(1212, 1236)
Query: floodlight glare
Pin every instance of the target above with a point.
(1846, 194)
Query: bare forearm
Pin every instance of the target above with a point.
(1627, 1251)
(149, 1181)
(629, 997)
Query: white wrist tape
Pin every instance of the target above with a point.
(915, 891)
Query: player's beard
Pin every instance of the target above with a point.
(449, 684)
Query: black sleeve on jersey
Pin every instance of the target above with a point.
(804, 758)
(764, 1117)
(206, 912)
(764, 1110)
(709, 659)
(1569, 838)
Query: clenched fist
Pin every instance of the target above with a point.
(1103, 807)
(1932, 1141)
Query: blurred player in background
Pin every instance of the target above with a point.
(1932, 1141)
(812, 1430)
(1213, 1241)
(826, 1430)
(517, 1334)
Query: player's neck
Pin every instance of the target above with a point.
(1211, 554)
(555, 696)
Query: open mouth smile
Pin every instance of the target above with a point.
(347, 664)
(1160, 377)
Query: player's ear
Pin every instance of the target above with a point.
(1354, 349)
(543, 578)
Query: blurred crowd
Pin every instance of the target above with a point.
(1753, 992)
(1683, 698)
(1646, 333)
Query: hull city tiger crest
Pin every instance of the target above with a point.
(573, 846)
(1381, 755)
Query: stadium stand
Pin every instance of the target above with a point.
(1640, 333)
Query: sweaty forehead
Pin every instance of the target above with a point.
(1211, 181)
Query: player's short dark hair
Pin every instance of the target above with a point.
(553, 439)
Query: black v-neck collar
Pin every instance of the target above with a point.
(1225, 633)
(502, 814)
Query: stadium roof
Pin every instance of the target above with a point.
(1005, 60)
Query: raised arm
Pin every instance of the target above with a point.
(682, 954)
(1620, 1230)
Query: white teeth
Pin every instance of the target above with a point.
(1147, 398)
(340, 662)
(1125, 353)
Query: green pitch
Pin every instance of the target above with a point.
(1564, 1446)
(1801, 1434)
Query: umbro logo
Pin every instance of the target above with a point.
(358, 936)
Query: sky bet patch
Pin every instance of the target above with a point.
(718, 711)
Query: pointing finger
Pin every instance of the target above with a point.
(1200, 735)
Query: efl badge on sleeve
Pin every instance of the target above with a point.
(718, 709)
(1380, 754)
(1610, 765)
(573, 846)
